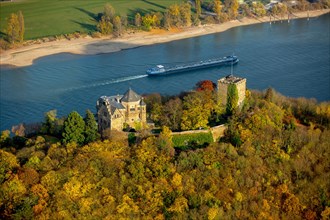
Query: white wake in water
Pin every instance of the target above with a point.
(108, 82)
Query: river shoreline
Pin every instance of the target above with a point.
(25, 56)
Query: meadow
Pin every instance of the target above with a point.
(45, 18)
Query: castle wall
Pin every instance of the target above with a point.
(117, 120)
(103, 119)
(241, 88)
(134, 113)
(222, 93)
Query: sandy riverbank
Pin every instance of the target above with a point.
(25, 56)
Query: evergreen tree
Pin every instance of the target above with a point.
(49, 126)
(232, 98)
(91, 133)
(74, 127)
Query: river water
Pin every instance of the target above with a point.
(293, 58)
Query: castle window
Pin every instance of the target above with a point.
(105, 114)
(132, 109)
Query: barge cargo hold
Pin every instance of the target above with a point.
(161, 70)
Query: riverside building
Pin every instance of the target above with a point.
(114, 112)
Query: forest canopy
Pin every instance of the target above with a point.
(272, 163)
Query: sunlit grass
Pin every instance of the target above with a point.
(54, 17)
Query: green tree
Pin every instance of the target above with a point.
(148, 21)
(49, 126)
(74, 127)
(91, 133)
(232, 98)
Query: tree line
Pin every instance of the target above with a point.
(194, 13)
(272, 163)
(186, 14)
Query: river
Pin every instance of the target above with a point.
(293, 58)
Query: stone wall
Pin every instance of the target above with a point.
(241, 88)
(217, 132)
(223, 89)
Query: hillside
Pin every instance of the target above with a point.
(273, 163)
(51, 18)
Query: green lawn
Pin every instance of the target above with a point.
(54, 17)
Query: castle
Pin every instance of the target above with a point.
(115, 111)
(223, 84)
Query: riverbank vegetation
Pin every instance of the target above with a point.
(49, 21)
(273, 162)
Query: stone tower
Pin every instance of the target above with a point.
(223, 84)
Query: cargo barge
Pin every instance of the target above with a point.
(161, 69)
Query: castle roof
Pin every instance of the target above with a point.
(131, 96)
(230, 79)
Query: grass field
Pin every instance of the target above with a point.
(54, 17)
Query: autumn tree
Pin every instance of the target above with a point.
(198, 7)
(279, 9)
(21, 26)
(137, 20)
(74, 127)
(117, 26)
(258, 9)
(173, 17)
(148, 21)
(13, 29)
(232, 8)
(124, 21)
(205, 85)
(91, 133)
(269, 96)
(171, 114)
(217, 8)
(108, 12)
(196, 111)
(4, 138)
(104, 26)
(185, 11)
